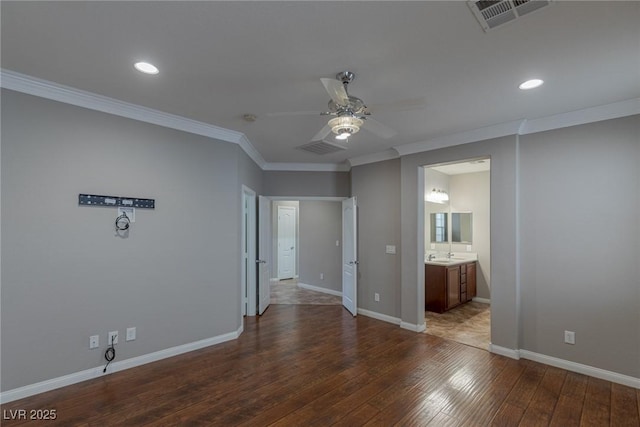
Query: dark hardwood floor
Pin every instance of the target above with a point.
(318, 366)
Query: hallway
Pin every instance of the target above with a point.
(288, 292)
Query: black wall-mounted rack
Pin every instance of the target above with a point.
(130, 202)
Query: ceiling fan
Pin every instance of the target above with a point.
(350, 113)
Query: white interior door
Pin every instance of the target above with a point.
(248, 271)
(264, 253)
(349, 256)
(286, 241)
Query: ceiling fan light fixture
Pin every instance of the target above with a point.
(345, 125)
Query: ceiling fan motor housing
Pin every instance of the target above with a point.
(355, 106)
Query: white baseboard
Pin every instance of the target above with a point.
(413, 327)
(503, 351)
(395, 320)
(319, 289)
(379, 316)
(482, 300)
(614, 377)
(88, 374)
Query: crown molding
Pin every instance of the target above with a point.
(614, 110)
(375, 157)
(487, 132)
(69, 95)
(251, 151)
(307, 167)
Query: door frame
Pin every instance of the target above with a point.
(248, 274)
(350, 260)
(264, 254)
(298, 199)
(422, 243)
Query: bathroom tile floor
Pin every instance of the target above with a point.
(467, 324)
(288, 292)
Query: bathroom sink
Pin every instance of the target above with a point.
(449, 261)
(441, 261)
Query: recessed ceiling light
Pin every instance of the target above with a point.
(146, 68)
(531, 84)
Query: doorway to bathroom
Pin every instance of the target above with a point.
(457, 256)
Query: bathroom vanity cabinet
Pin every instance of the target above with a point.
(447, 286)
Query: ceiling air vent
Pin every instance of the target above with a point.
(321, 147)
(491, 14)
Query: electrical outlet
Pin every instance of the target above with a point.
(113, 338)
(94, 341)
(569, 337)
(131, 334)
(321, 276)
(376, 297)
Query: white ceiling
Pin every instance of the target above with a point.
(221, 60)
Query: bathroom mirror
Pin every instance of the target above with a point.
(439, 229)
(461, 227)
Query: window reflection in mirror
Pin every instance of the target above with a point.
(461, 227)
(439, 230)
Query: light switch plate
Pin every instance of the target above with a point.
(131, 334)
(391, 249)
(569, 337)
(94, 341)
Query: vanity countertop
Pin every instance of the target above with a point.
(454, 260)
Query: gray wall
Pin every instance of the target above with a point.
(311, 184)
(66, 275)
(561, 258)
(320, 228)
(471, 192)
(580, 243)
(376, 187)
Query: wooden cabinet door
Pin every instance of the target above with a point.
(471, 280)
(435, 288)
(453, 286)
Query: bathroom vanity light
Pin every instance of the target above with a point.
(437, 196)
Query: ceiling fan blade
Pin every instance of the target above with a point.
(336, 91)
(326, 130)
(377, 128)
(399, 105)
(293, 113)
